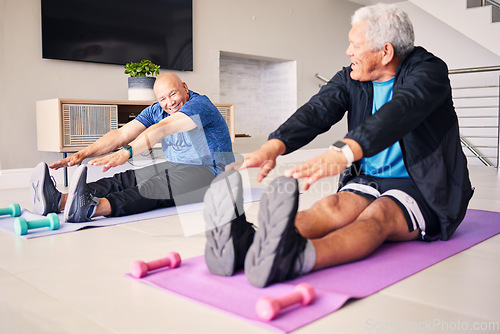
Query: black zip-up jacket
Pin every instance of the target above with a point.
(420, 116)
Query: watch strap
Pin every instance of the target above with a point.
(345, 149)
(129, 149)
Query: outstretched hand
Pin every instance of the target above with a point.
(264, 158)
(72, 160)
(329, 163)
(111, 160)
(260, 160)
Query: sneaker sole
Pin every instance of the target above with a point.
(39, 207)
(223, 197)
(72, 191)
(278, 206)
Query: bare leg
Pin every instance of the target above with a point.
(381, 221)
(64, 197)
(103, 208)
(330, 213)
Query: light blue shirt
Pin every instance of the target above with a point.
(208, 145)
(389, 162)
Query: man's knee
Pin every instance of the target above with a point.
(330, 213)
(311, 222)
(389, 220)
(328, 206)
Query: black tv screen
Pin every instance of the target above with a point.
(119, 31)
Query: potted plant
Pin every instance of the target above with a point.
(142, 76)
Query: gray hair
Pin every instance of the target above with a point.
(387, 24)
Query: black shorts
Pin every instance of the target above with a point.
(405, 194)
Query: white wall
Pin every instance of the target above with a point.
(457, 50)
(264, 93)
(313, 33)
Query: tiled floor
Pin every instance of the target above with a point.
(75, 283)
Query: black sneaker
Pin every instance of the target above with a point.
(277, 244)
(228, 233)
(45, 195)
(80, 201)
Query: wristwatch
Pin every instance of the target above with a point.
(129, 149)
(340, 146)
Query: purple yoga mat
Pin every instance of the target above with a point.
(7, 222)
(334, 286)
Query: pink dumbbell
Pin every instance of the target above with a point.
(141, 268)
(268, 308)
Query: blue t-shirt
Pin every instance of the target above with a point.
(388, 163)
(208, 145)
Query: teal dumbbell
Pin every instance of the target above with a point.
(21, 225)
(14, 210)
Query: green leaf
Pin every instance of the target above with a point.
(143, 68)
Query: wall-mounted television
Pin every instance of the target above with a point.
(119, 31)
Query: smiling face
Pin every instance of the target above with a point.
(366, 64)
(171, 92)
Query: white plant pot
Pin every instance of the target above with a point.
(141, 88)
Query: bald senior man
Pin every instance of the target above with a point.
(195, 140)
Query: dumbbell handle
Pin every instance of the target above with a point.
(160, 263)
(21, 225)
(268, 307)
(5, 211)
(290, 299)
(141, 268)
(13, 210)
(37, 223)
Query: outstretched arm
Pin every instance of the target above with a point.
(107, 143)
(178, 122)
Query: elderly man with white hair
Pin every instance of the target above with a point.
(403, 175)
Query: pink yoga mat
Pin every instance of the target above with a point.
(334, 286)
